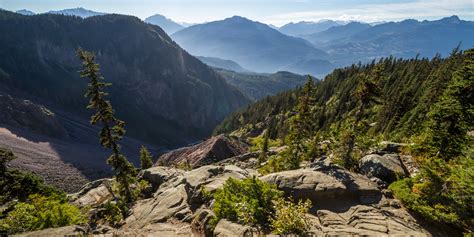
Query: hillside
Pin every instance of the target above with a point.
(253, 45)
(386, 119)
(156, 84)
(168, 25)
(409, 89)
(259, 85)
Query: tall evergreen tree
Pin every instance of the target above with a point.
(301, 125)
(366, 93)
(145, 158)
(112, 129)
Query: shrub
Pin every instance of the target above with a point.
(290, 217)
(247, 201)
(40, 213)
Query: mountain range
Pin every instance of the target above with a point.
(168, 25)
(261, 48)
(254, 45)
(362, 42)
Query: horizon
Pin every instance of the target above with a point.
(362, 11)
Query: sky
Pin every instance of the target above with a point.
(276, 12)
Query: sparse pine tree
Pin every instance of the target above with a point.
(112, 129)
(145, 158)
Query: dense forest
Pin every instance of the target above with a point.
(427, 104)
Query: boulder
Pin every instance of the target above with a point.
(226, 228)
(387, 167)
(159, 174)
(213, 150)
(169, 203)
(361, 220)
(326, 187)
(178, 198)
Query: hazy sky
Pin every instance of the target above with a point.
(275, 12)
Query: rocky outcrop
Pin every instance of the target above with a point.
(326, 187)
(387, 167)
(93, 194)
(226, 228)
(344, 203)
(179, 198)
(210, 151)
(362, 220)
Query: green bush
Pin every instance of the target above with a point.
(41, 212)
(248, 201)
(290, 217)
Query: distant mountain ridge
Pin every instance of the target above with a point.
(407, 39)
(222, 64)
(168, 25)
(25, 12)
(307, 27)
(80, 12)
(256, 86)
(251, 44)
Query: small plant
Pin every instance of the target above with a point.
(41, 212)
(248, 201)
(290, 217)
(146, 160)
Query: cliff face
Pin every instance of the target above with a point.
(166, 96)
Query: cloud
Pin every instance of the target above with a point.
(420, 9)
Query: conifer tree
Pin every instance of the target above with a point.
(366, 93)
(301, 125)
(263, 154)
(145, 158)
(453, 115)
(112, 129)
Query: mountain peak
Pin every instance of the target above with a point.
(451, 19)
(168, 25)
(25, 12)
(238, 18)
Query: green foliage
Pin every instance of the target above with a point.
(112, 128)
(145, 158)
(247, 201)
(15, 184)
(41, 212)
(290, 217)
(453, 115)
(258, 143)
(112, 213)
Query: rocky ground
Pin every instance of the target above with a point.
(344, 202)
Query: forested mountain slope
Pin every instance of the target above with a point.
(409, 87)
(156, 84)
